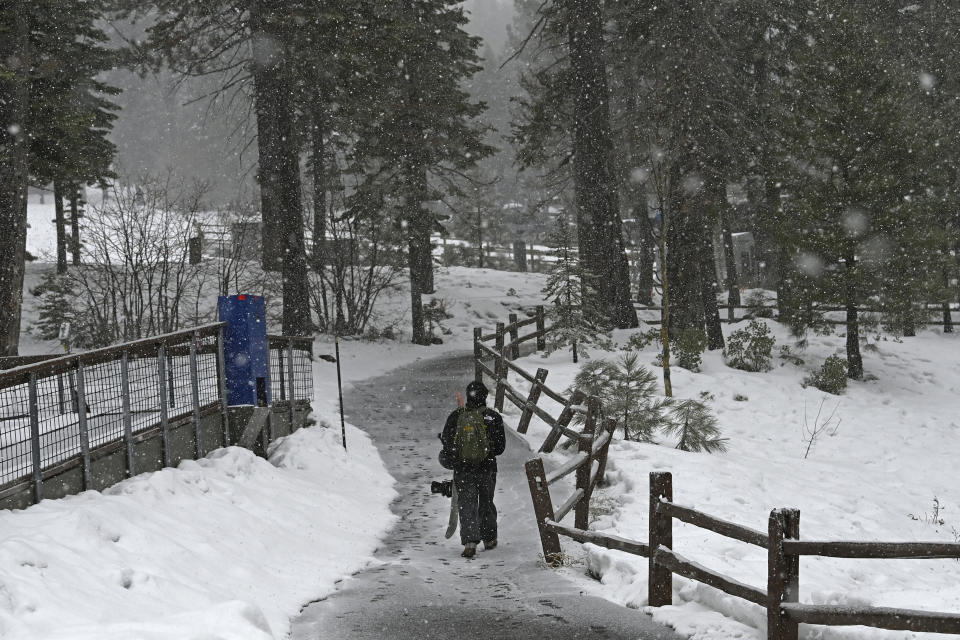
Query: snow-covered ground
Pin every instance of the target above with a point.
(227, 547)
(232, 545)
(893, 454)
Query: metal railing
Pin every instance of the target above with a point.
(59, 414)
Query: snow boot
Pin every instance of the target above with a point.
(489, 546)
(469, 550)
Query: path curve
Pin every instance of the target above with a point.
(423, 588)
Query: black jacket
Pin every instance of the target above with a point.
(495, 435)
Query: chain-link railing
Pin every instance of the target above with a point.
(57, 414)
(291, 371)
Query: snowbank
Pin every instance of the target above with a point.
(875, 479)
(225, 547)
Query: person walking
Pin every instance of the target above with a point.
(472, 439)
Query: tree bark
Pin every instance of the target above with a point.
(75, 224)
(730, 259)
(598, 211)
(418, 253)
(854, 359)
(14, 86)
(61, 224)
(665, 305)
(683, 261)
(947, 316)
(708, 290)
(319, 158)
(479, 237)
(279, 166)
(426, 261)
(645, 244)
(414, 262)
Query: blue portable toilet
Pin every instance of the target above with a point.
(245, 349)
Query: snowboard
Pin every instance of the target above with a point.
(454, 513)
(454, 518)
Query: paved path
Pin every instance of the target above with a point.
(424, 589)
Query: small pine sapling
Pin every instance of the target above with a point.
(573, 324)
(627, 393)
(633, 402)
(696, 427)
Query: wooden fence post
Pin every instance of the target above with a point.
(162, 397)
(581, 515)
(562, 421)
(541, 329)
(292, 394)
(501, 370)
(514, 337)
(592, 417)
(609, 425)
(477, 354)
(35, 453)
(222, 388)
(543, 510)
(660, 580)
(84, 431)
(532, 400)
(125, 409)
(195, 396)
(783, 574)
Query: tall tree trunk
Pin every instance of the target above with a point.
(75, 224)
(708, 289)
(319, 175)
(645, 244)
(947, 316)
(415, 262)
(665, 304)
(598, 211)
(14, 87)
(909, 321)
(279, 166)
(683, 261)
(61, 224)
(854, 359)
(426, 262)
(479, 237)
(730, 260)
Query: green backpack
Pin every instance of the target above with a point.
(471, 440)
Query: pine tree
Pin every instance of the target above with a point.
(633, 401)
(565, 126)
(857, 201)
(696, 427)
(14, 107)
(71, 113)
(574, 323)
(250, 44)
(627, 393)
(417, 133)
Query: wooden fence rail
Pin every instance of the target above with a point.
(782, 539)
(739, 312)
(784, 548)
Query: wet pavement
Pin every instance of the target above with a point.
(423, 588)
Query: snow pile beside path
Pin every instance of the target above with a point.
(227, 547)
(874, 480)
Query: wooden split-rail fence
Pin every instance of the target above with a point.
(782, 540)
